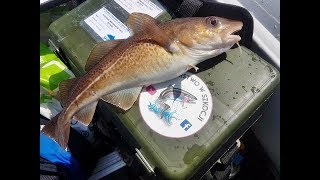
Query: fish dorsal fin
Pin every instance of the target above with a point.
(85, 115)
(65, 87)
(123, 99)
(100, 50)
(139, 22)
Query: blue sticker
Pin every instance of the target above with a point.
(111, 37)
(185, 125)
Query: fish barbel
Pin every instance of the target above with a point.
(117, 70)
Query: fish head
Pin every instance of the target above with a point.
(206, 37)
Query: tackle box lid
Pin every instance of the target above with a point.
(239, 85)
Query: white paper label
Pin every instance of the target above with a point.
(140, 6)
(107, 26)
(176, 108)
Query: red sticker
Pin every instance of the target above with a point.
(151, 90)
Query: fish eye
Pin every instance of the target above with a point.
(212, 21)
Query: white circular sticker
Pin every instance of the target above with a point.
(176, 108)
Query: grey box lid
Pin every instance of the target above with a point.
(239, 86)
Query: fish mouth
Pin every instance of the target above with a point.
(232, 34)
(234, 38)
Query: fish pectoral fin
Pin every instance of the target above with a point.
(194, 67)
(123, 99)
(100, 50)
(65, 88)
(139, 22)
(85, 114)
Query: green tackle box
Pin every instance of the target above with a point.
(240, 85)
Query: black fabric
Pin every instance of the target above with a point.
(50, 170)
(49, 177)
(188, 8)
(43, 120)
(51, 4)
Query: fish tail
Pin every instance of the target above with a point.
(59, 134)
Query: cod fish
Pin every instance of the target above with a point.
(116, 71)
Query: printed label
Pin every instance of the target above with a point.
(140, 6)
(107, 26)
(176, 108)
